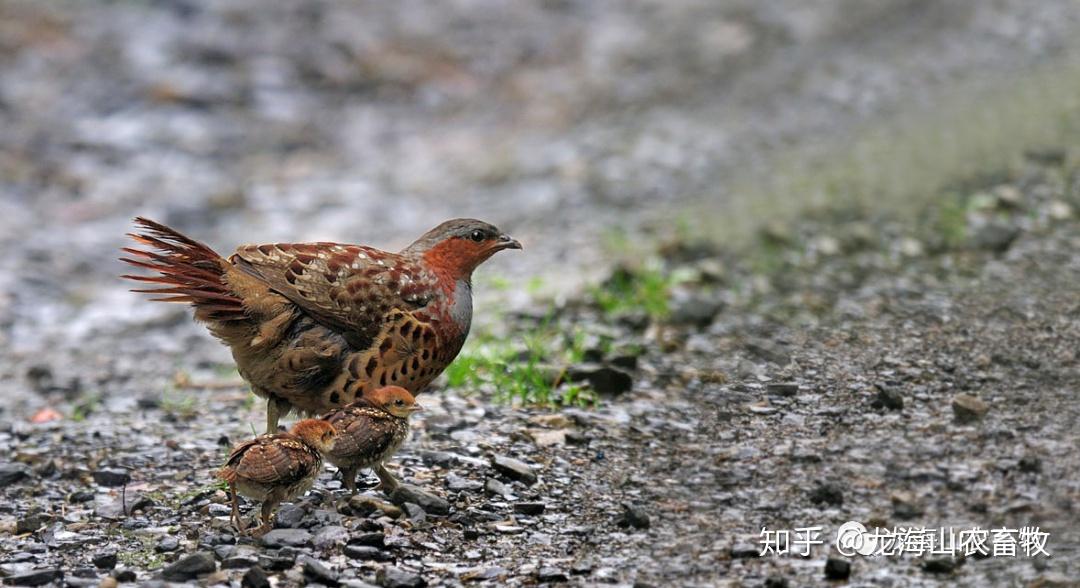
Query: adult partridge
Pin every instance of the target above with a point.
(314, 326)
(276, 468)
(370, 431)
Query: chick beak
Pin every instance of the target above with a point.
(506, 242)
(416, 408)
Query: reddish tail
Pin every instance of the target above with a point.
(190, 272)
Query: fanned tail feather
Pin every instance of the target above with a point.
(190, 272)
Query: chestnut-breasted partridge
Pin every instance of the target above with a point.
(370, 431)
(276, 468)
(314, 326)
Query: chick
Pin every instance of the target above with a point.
(370, 431)
(276, 468)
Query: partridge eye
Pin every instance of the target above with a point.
(477, 235)
(399, 402)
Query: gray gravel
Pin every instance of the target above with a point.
(845, 367)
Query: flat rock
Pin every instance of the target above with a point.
(10, 473)
(286, 537)
(514, 469)
(190, 567)
(391, 577)
(330, 536)
(317, 571)
(35, 577)
(431, 503)
(112, 477)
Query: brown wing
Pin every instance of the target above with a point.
(364, 433)
(273, 459)
(349, 288)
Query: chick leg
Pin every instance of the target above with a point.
(235, 519)
(268, 507)
(388, 483)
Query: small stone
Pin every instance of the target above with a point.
(888, 397)
(289, 517)
(547, 438)
(940, 565)
(603, 379)
(1059, 210)
(168, 543)
(377, 540)
(190, 567)
(827, 493)
(905, 510)
(995, 236)
(366, 553)
(431, 503)
(514, 469)
(218, 510)
(968, 408)
(330, 536)
(364, 505)
(695, 309)
(787, 389)
(286, 537)
(391, 577)
(414, 513)
(108, 582)
(11, 473)
(105, 560)
(634, 516)
(316, 571)
(496, 488)
(125, 576)
(776, 582)
(529, 508)
(745, 550)
(837, 569)
(35, 577)
(551, 574)
(1030, 464)
(239, 562)
(255, 578)
(112, 477)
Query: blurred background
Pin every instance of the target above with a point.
(574, 125)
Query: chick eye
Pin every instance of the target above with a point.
(477, 235)
(399, 402)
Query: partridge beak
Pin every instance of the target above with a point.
(507, 242)
(416, 408)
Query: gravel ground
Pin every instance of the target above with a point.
(845, 367)
(874, 372)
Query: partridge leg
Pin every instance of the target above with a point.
(275, 409)
(388, 483)
(348, 477)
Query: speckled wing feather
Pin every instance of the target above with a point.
(366, 435)
(349, 288)
(274, 460)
